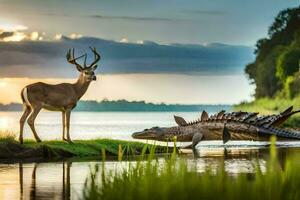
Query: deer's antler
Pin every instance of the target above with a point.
(97, 57)
(71, 59)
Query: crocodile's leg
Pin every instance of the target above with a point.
(226, 138)
(226, 135)
(195, 140)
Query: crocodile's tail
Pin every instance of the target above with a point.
(282, 117)
(253, 118)
(280, 132)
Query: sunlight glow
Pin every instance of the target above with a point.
(58, 36)
(34, 35)
(75, 36)
(124, 40)
(154, 88)
(12, 27)
(4, 123)
(16, 37)
(3, 84)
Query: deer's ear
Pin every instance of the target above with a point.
(79, 68)
(94, 67)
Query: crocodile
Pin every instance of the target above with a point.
(224, 126)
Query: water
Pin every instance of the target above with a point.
(91, 125)
(65, 180)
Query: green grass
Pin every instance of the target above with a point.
(83, 148)
(270, 106)
(7, 137)
(10, 148)
(174, 179)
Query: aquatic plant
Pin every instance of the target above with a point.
(174, 179)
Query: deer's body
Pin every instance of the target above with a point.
(60, 97)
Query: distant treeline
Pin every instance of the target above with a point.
(133, 106)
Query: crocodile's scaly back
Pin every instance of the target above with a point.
(263, 125)
(250, 118)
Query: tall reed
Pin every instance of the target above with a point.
(174, 179)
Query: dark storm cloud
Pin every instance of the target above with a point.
(47, 59)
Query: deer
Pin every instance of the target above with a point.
(61, 97)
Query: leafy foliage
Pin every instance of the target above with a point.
(288, 63)
(277, 56)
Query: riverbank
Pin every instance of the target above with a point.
(11, 150)
(267, 106)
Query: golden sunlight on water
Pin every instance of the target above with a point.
(4, 124)
(9, 184)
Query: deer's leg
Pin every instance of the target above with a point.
(26, 112)
(31, 120)
(64, 125)
(68, 115)
(33, 183)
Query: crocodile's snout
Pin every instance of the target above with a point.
(151, 133)
(143, 135)
(136, 135)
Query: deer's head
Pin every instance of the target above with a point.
(87, 72)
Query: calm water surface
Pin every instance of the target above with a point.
(90, 125)
(65, 180)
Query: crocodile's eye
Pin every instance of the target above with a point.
(146, 129)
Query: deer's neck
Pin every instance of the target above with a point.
(81, 86)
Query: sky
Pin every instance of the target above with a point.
(173, 51)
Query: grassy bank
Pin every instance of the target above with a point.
(271, 106)
(177, 179)
(11, 149)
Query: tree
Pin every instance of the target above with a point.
(288, 63)
(277, 57)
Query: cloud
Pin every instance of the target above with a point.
(135, 18)
(47, 58)
(6, 34)
(124, 40)
(206, 12)
(127, 18)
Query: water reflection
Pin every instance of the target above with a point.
(44, 190)
(65, 180)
